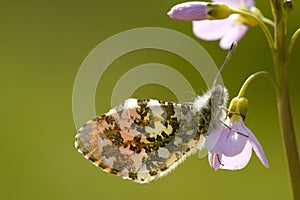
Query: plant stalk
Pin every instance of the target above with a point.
(254, 76)
(280, 58)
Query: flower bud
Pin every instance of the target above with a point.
(234, 104)
(288, 5)
(243, 107)
(238, 109)
(233, 109)
(195, 11)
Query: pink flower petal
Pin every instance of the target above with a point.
(239, 161)
(220, 161)
(189, 11)
(211, 29)
(212, 139)
(248, 3)
(237, 3)
(257, 147)
(213, 160)
(228, 143)
(237, 31)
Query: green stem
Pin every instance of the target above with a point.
(252, 77)
(280, 58)
(293, 40)
(267, 21)
(260, 23)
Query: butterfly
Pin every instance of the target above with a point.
(144, 139)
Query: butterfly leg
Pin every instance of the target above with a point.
(233, 129)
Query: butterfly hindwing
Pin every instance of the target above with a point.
(141, 139)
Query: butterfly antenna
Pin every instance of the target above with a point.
(228, 56)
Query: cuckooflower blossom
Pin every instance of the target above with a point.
(197, 10)
(231, 148)
(228, 28)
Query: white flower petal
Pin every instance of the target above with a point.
(213, 160)
(257, 147)
(212, 139)
(237, 31)
(237, 3)
(227, 141)
(239, 161)
(231, 148)
(211, 29)
(189, 11)
(248, 3)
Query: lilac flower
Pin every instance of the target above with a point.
(231, 148)
(227, 29)
(190, 11)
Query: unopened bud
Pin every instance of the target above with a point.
(288, 5)
(238, 109)
(198, 10)
(243, 107)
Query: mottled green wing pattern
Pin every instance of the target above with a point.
(141, 139)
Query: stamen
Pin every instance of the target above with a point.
(219, 160)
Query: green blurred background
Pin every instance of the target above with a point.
(43, 44)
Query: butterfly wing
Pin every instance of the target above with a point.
(141, 139)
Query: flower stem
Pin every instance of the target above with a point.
(292, 41)
(280, 58)
(252, 77)
(268, 21)
(260, 23)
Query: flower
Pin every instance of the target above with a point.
(228, 29)
(231, 147)
(199, 11)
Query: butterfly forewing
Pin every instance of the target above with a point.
(141, 139)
